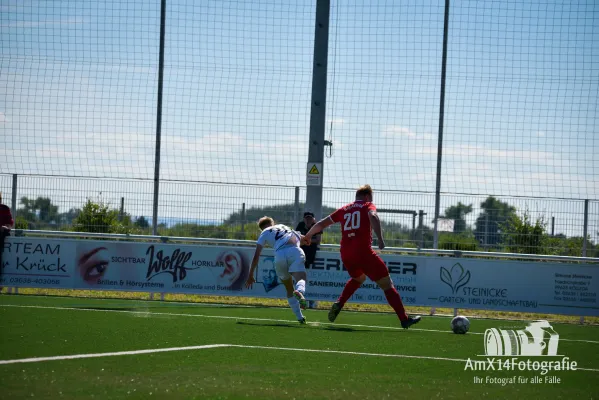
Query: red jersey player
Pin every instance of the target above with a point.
(358, 219)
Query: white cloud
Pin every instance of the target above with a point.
(396, 130)
(465, 152)
(48, 22)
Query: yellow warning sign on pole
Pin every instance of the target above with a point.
(314, 174)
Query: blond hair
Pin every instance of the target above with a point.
(363, 191)
(265, 222)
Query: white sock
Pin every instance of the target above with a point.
(295, 307)
(301, 286)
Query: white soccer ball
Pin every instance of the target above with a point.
(460, 324)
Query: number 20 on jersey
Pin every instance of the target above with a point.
(352, 221)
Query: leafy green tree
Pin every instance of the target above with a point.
(100, 218)
(28, 211)
(488, 224)
(21, 223)
(560, 245)
(457, 213)
(38, 213)
(142, 222)
(462, 241)
(68, 217)
(520, 235)
(48, 212)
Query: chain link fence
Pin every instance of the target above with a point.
(529, 225)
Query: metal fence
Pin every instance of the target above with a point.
(135, 117)
(227, 211)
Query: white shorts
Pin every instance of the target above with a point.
(289, 259)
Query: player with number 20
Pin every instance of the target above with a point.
(358, 220)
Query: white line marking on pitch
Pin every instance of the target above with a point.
(357, 353)
(118, 353)
(368, 354)
(149, 313)
(212, 346)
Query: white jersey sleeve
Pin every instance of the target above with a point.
(278, 236)
(263, 239)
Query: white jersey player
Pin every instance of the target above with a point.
(279, 236)
(289, 262)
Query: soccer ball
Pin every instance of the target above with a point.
(460, 324)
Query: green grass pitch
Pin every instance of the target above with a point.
(265, 354)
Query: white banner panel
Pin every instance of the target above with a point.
(540, 287)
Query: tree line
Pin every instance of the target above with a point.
(498, 227)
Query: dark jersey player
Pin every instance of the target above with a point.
(358, 220)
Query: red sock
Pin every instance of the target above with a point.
(394, 300)
(350, 288)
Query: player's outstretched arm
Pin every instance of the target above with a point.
(375, 222)
(317, 227)
(251, 280)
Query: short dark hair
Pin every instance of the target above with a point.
(363, 191)
(308, 214)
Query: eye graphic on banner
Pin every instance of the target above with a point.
(92, 264)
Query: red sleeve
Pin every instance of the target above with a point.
(337, 216)
(371, 207)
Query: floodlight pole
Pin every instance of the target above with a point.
(14, 194)
(159, 118)
(585, 228)
(318, 108)
(441, 118)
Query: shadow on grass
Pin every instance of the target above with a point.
(274, 324)
(309, 325)
(343, 329)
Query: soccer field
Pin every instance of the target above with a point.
(81, 348)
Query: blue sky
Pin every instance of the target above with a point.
(79, 78)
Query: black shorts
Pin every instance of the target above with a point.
(310, 252)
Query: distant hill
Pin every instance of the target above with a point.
(283, 214)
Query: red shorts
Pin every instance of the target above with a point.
(364, 262)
